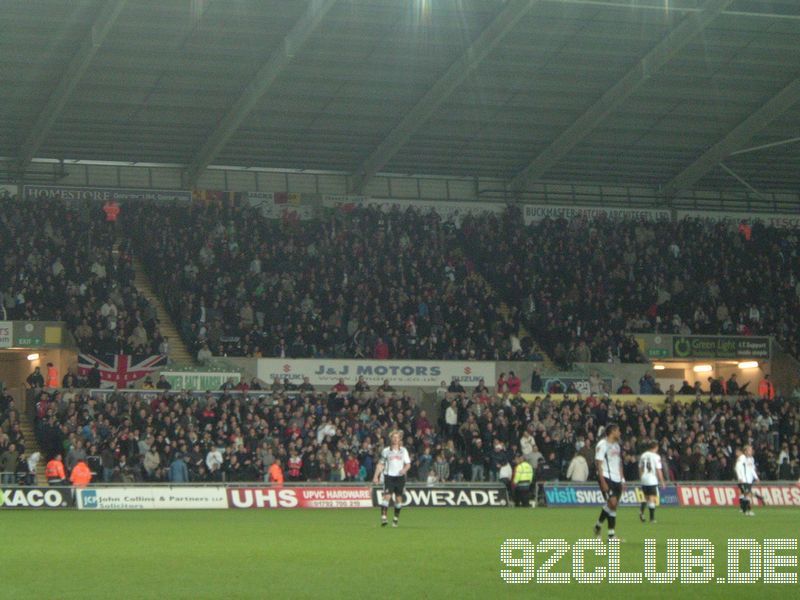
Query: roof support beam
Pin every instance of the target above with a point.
(258, 87)
(647, 66)
(740, 135)
(456, 74)
(69, 80)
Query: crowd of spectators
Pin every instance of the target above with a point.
(64, 262)
(366, 283)
(582, 286)
(337, 435)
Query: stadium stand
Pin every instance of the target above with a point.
(584, 286)
(362, 284)
(333, 437)
(72, 266)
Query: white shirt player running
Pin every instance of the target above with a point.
(394, 461)
(746, 469)
(649, 465)
(610, 455)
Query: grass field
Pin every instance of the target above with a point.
(435, 553)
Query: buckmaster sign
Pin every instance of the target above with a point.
(398, 372)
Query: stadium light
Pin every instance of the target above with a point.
(33, 356)
(748, 364)
(659, 367)
(702, 368)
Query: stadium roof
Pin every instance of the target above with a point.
(653, 92)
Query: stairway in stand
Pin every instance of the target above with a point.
(505, 312)
(178, 352)
(32, 445)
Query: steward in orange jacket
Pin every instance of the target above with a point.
(275, 473)
(81, 475)
(766, 391)
(54, 471)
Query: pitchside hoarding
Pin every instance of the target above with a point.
(299, 497)
(590, 495)
(715, 494)
(399, 373)
(36, 498)
(459, 496)
(160, 497)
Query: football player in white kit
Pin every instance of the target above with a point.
(651, 474)
(393, 465)
(608, 459)
(747, 476)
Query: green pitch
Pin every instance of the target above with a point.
(435, 553)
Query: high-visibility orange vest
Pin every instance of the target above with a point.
(52, 377)
(275, 473)
(766, 389)
(81, 475)
(55, 470)
(111, 208)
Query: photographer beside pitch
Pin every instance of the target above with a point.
(394, 464)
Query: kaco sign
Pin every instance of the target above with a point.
(311, 497)
(590, 495)
(728, 494)
(420, 495)
(46, 498)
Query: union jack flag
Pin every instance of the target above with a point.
(118, 370)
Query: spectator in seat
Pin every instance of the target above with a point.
(514, 383)
(624, 388)
(8, 464)
(686, 389)
(35, 380)
(381, 350)
(455, 387)
(578, 469)
(178, 471)
(536, 382)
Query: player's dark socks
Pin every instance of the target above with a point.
(396, 513)
(603, 515)
(612, 522)
(652, 514)
(743, 504)
(384, 511)
(641, 507)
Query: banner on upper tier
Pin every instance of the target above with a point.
(97, 194)
(591, 495)
(721, 494)
(448, 210)
(779, 220)
(662, 345)
(297, 497)
(199, 380)
(8, 191)
(400, 373)
(157, 497)
(286, 206)
(532, 213)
